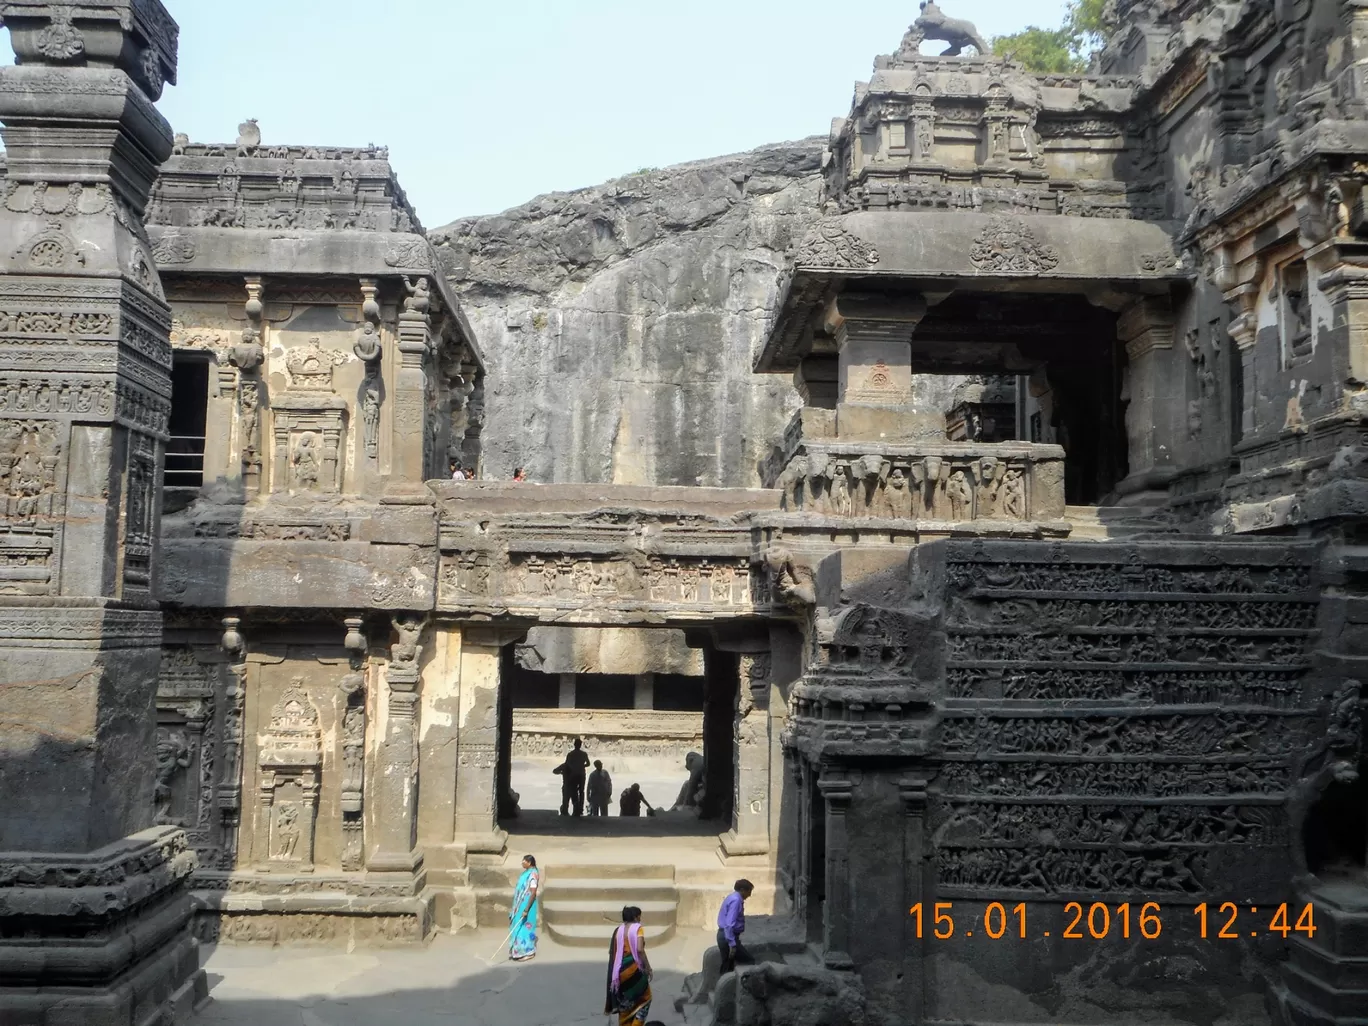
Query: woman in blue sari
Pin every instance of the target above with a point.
(522, 917)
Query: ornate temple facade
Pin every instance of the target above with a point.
(1094, 638)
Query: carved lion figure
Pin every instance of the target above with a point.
(933, 24)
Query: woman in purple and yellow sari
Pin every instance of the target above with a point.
(522, 915)
(629, 972)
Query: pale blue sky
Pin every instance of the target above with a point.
(484, 105)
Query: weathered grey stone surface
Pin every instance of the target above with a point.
(621, 320)
(94, 903)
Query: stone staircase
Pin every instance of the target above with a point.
(581, 903)
(1325, 979)
(584, 903)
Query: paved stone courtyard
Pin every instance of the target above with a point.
(449, 981)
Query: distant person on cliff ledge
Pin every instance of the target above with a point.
(518, 475)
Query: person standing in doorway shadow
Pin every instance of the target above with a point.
(572, 772)
(731, 923)
(600, 790)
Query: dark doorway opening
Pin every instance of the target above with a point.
(189, 415)
(1063, 353)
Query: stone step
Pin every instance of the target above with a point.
(607, 871)
(1315, 992)
(594, 913)
(591, 936)
(611, 893)
(1343, 972)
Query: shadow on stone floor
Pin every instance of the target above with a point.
(548, 822)
(562, 992)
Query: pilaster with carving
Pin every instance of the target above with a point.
(409, 410)
(229, 792)
(397, 776)
(248, 357)
(837, 794)
(368, 350)
(353, 744)
(749, 834)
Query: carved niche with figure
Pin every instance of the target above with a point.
(291, 760)
(310, 423)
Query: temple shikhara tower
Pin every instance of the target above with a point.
(967, 512)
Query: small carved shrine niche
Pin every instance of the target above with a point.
(187, 748)
(310, 423)
(291, 758)
(1294, 310)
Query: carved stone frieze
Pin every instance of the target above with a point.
(830, 245)
(1008, 246)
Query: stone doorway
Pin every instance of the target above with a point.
(622, 693)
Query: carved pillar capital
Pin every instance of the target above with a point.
(837, 793)
(1145, 326)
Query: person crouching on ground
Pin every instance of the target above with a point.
(600, 790)
(629, 972)
(631, 802)
(731, 923)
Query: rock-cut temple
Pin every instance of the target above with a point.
(981, 491)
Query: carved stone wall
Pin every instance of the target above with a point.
(1146, 722)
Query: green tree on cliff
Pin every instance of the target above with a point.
(1067, 49)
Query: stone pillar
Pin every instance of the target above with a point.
(749, 834)
(912, 791)
(644, 697)
(874, 369)
(567, 690)
(397, 774)
(1146, 327)
(87, 350)
(836, 939)
(477, 740)
(408, 411)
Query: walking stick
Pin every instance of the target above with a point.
(490, 959)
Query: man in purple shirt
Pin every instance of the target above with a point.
(731, 923)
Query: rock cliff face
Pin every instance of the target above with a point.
(619, 322)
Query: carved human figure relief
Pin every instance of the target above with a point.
(306, 461)
(961, 496)
(1013, 495)
(897, 496)
(173, 756)
(286, 832)
(370, 419)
